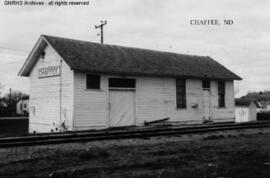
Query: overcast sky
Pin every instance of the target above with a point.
(243, 47)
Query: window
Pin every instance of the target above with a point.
(181, 93)
(25, 105)
(206, 84)
(92, 81)
(122, 83)
(221, 94)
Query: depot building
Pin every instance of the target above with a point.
(79, 85)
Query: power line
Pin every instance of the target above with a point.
(9, 63)
(14, 49)
(11, 56)
(6, 64)
(14, 57)
(11, 59)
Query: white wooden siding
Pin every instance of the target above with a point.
(45, 95)
(226, 113)
(155, 98)
(246, 113)
(90, 105)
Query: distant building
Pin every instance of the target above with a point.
(245, 110)
(22, 107)
(79, 85)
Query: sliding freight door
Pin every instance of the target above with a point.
(121, 108)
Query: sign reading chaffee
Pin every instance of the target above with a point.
(50, 71)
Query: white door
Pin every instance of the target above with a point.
(121, 108)
(206, 105)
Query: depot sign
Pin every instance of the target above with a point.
(49, 71)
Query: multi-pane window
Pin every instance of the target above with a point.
(181, 93)
(206, 84)
(92, 81)
(221, 94)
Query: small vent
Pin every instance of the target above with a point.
(43, 53)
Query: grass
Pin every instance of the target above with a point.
(214, 156)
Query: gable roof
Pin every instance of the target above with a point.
(111, 59)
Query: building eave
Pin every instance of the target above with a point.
(152, 75)
(30, 62)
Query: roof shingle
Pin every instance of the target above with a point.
(111, 59)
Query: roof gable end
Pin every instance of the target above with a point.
(33, 57)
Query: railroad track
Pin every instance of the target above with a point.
(45, 139)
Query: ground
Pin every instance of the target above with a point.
(241, 154)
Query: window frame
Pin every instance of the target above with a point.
(208, 83)
(221, 94)
(181, 93)
(86, 83)
(121, 87)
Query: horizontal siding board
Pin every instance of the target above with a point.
(45, 95)
(155, 98)
(90, 108)
(228, 112)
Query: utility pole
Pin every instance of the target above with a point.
(9, 95)
(101, 29)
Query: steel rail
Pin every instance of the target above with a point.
(106, 132)
(110, 135)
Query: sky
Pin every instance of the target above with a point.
(243, 47)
